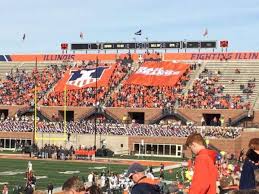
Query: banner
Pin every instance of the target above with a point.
(77, 79)
(158, 74)
(212, 56)
(216, 56)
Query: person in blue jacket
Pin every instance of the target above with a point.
(247, 180)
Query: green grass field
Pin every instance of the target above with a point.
(52, 170)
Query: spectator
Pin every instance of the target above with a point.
(73, 186)
(237, 71)
(5, 189)
(94, 189)
(247, 180)
(91, 177)
(203, 122)
(205, 172)
(50, 188)
(143, 184)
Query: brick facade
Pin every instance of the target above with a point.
(150, 113)
(114, 142)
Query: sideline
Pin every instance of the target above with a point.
(98, 160)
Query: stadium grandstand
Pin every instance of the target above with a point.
(149, 96)
(138, 104)
(112, 97)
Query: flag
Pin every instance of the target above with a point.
(81, 35)
(205, 33)
(158, 74)
(23, 37)
(138, 33)
(77, 79)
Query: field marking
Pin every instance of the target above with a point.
(38, 177)
(11, 173)
(168, 167)
(98, 168)
(70, 172)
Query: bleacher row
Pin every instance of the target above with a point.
(208, 90)
(87, 127)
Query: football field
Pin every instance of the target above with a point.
(12, 171)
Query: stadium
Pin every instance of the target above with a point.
(142, 102)
(139, 97)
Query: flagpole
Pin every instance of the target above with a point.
(135, 41)
(95, 112)
(35, 113)
(65, 110)
(35, 104)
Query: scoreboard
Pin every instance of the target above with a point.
(143, 45)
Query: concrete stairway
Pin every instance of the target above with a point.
(134, 67)
(194, 74)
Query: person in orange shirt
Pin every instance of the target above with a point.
(205, 172)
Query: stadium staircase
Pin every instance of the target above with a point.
(39, 113)
(248, 71)
(100, 111)
(109, 115)
(168, 112)
(87, 114)
(134, 67)
(193, 76)
(236, 120)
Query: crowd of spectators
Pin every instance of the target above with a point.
(23, 124)
(86, 127)
(206, 93)
(147, 96)
(228, 167)
(18, 87)
(52, 151)
(87, 96)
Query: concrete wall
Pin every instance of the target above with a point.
(114, 142)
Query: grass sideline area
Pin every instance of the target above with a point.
(13, 171)
(149, 158)
(119, 157)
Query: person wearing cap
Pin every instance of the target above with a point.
(205, 172)
(247, 180)
(143, 185)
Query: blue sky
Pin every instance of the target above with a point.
(47, 23)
